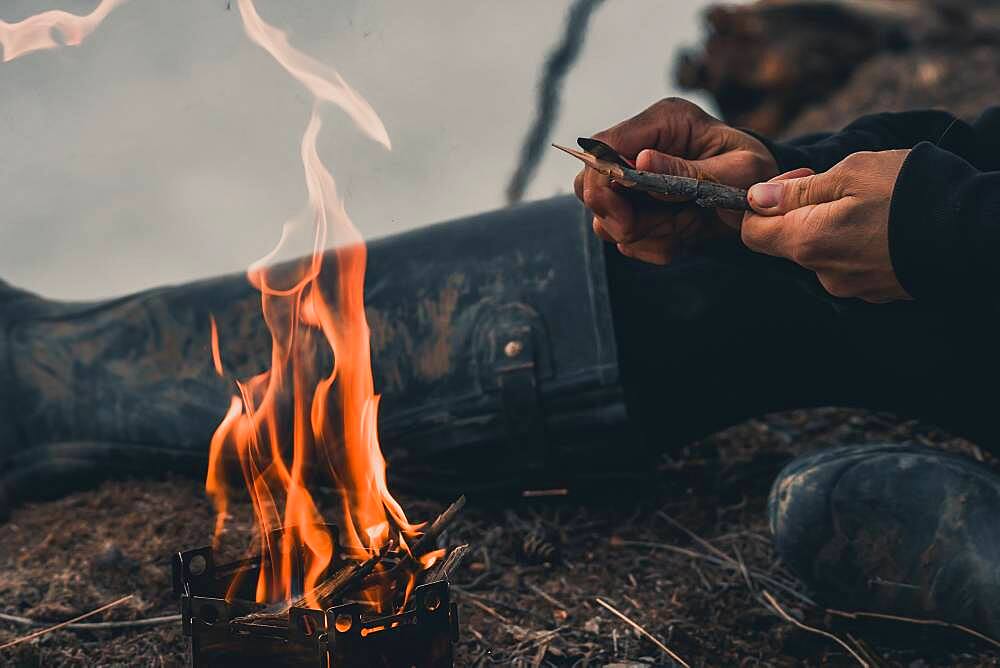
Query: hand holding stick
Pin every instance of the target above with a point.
(601, 157)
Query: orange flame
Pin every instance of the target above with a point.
(301, 420)
(216, 355)
(36, 33)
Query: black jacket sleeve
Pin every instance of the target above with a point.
(944, 227)
(877, 132)
(944, 219)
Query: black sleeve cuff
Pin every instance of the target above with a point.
(986, 136)
(929, 223)
(876, 132)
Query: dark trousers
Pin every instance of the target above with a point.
(719, 338)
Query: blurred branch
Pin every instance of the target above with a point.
(557, 65)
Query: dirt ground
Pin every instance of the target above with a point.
(528, 593)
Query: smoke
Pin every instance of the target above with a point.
(557, 65)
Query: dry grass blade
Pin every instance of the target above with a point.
(864, 650)
(743, 569)
(547, 596)
(540, 655)
(97, 626)
(695, 537)
(729, 563)
(656, 641)
(914, 620)
(488, 610)
(812, 629)
(56, 627)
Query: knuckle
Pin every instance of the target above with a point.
(836, 286)
(628, 250)
(858, 161)
(628, 234)
(678, 105)
(854, 160)
(756, 163)
(800, 192)
(594, 203)
(604, 135)
(848, 169)
(745, 162)
(673, 101)
(653, 251)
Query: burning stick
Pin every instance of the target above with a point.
(450, 564)
(347, 579)
(352, 577)
(428, 541)
(437, 527)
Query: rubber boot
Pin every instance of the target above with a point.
(893, 529)
(493, 351)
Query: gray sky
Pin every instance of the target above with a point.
(165, 148)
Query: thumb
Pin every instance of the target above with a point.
(782, 194)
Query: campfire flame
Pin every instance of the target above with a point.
(300, 420)
(36, 33)
(304, 419)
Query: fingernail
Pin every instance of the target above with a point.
(766, 195)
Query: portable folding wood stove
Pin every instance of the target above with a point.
(240, 632)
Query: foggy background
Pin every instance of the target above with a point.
(166, 147)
